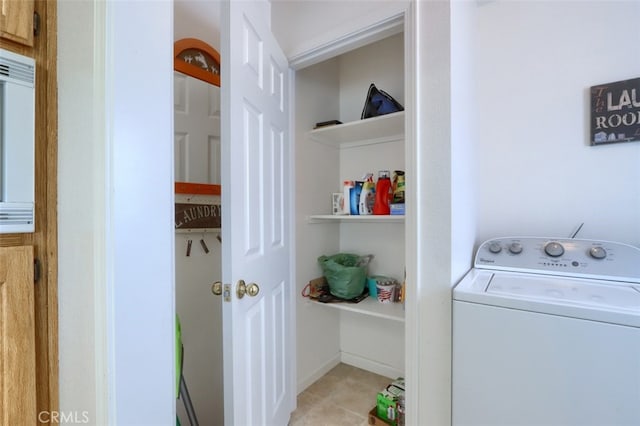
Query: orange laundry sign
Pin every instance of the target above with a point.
(197, 216)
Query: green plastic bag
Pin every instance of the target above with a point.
(346, 273)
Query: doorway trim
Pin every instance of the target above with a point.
(392, 25)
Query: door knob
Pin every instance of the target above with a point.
(216, 288)
(251, 289)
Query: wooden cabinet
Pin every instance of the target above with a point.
(29, 313)
(17, 337)
(16, 21)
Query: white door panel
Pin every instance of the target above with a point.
(259, 351)
(197, 130)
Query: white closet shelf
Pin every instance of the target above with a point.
(324, 218)
(384, 128)
(370, 306)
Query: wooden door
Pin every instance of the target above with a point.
(17, 337)
(259, 351)
(16, 21)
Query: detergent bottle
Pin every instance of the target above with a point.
(367, 195)
(383, 193)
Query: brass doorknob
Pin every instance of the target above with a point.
(216, 288)
(251, 289)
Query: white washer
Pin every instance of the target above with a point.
(546, 332)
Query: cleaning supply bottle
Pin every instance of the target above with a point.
(383, 193)
(398, 186)
(367, 197)
(355, 197)
(346, 197)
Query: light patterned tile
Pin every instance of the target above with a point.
(355, 396)
(343, 370)
(369, 378)
(306, 401)
(328, 414)
(325, 385)
(343, 397)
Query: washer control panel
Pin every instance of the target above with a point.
(563, 257)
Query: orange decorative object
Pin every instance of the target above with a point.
(197, 188)
(196, 58)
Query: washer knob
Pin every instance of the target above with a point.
(597, 252)
(495, 248)
(515, 248)
(554, 249)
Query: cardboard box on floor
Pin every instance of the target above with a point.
(387, 401)
(374, 420)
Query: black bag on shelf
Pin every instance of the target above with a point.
(379, 102)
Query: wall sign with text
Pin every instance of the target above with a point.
(197, 216)
(615, 112)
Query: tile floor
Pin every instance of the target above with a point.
(342, 397)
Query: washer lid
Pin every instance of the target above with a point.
(562, 290)
(598, 300)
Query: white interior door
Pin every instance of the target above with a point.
(196, 130)
(259, 353)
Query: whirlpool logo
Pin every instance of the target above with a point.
(483, 260)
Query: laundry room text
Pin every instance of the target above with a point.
(615, 112)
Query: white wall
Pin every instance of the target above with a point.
(116, 259)
(317, 174)
(536, 173)
(381, 63)
(463, 146)
(301, 26)
(197, 19)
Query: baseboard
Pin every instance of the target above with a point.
(318, 373)
(369, 365)
(350, 359)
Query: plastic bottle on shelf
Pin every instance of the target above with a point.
(398, 186)
(355, 197)
(367, 195)
(383, 194)
(346, 197)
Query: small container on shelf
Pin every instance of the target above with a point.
(347, 185)
(337, 203)
(386, 292)
(397, 209)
